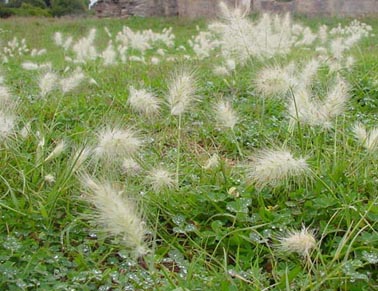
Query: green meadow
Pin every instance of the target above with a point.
(232, 180)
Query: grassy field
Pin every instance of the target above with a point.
(238, 164)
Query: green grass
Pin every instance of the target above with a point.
(215, 231)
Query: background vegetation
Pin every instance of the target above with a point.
(43, 8)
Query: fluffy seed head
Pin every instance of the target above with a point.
(26, 130)
(337, 48)
(5, 97)
(109, 55)
(243, 39)
(226, 117)
(67, 44)
(360, 132)
(203, 44)
(212, 162)
(136, 59)
(272, 167)
(114, 143)
(7, 124)
(317, 112)
(117, 214)
(160, 52)
(372, 142)
(73, 81)
(368, 139)
(273, 82)
(47, 83)
(160, 179)
(143, 102)
(323, 33)
(49, 178)
(230, 64)
(30, 66)
(57, 151)
(349, 63)
(308, 73)
(181, 91)
(84, 48)
(336, 99)
(155, 61)
(58, 38)
(300, 242)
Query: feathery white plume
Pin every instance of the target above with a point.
(26, 130)
(30, 66)
(69, 83)
(335, 102)
(67, 44)
(323, 33)
(273, 167)
(212, 162)
(368, 139)
(159, 179)
(181, 91)
(114, 143)
(7, 124)
(5, 97)
(84, 48)
(143, 102)
(360, 132)
(49, 178)
(118, 214)
(203, 44)
(308, 73)
(58, 38)
(47, 83)
(57, 151)
(137, 59)
(155, 61)
(300, 242)
(242, 38)
(225, 115)
(230, 65)
(317, 112)
(273, 82)
(109, 55)
(144, 40)
(161, 52)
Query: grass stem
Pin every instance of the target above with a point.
(178, 150)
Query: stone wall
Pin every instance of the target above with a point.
(273, 6)
(125, 8)
(183, 8)
(163, 8)
(120, 8)
(209, 8)
(352, 8)
(201, 8)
